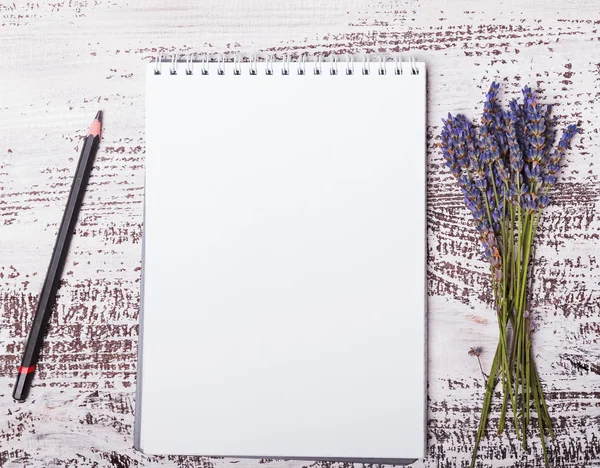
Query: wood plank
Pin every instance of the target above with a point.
(61, 61)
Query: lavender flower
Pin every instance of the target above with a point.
(474, 202)
(515, 151)
(502, 172)
(534, 135)
(461, 153)
(456, 135)
(518, 116)
(492, 113)
(552, 166)
(529, 202)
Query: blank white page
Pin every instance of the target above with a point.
(283, 303)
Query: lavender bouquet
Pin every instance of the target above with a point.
(506, 168)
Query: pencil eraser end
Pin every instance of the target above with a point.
(22, 384)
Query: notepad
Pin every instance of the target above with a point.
(284, 281)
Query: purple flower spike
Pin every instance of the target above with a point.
(552, 166)
(456, 138)
(502, 171)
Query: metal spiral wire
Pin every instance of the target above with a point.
(208, 62)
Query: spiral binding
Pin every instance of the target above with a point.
(223, 63)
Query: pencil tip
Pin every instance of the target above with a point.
(96, 126)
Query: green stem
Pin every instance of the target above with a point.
(536, 386)
(503, 412)
(506, 315)
(526, 347)
(533, 383)
(508, 388)
(504, 373)
(526, 249)
(506, 369)
(502, 326)
(512, 253)
(514, 359)
(521, 365)
(494, 184)
(518, 370)
(519, 222)
(487, 207)
(537, 383)
(487, 400)
(536, 401)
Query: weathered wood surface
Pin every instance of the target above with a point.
(61, 61)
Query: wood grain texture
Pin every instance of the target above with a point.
(60, 61)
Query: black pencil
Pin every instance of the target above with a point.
(59, 254)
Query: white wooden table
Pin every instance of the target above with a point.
(60, 61)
